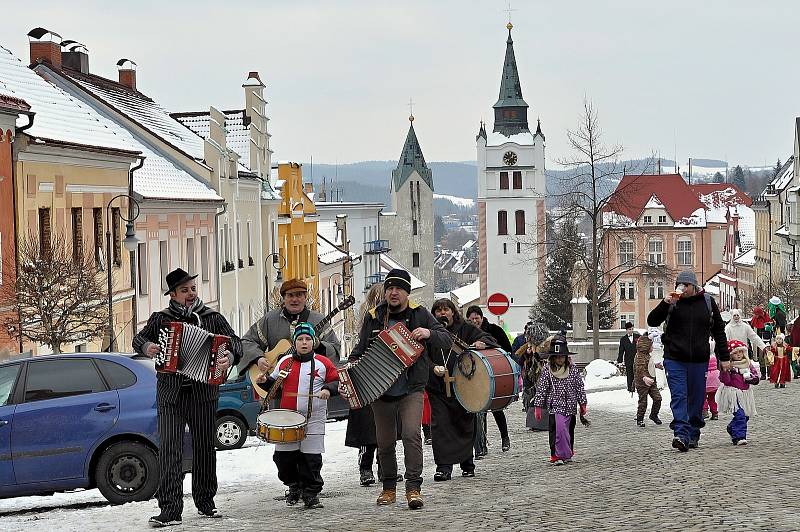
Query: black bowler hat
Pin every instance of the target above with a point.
(177, 277)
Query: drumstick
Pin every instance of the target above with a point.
(294, 394)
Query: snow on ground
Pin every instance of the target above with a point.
(601, 368)
(620, 400)
(466, 203)
(592, 382)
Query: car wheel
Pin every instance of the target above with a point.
(231, 433)
(127, 472)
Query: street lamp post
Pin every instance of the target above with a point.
(279, 263)
(130, 242)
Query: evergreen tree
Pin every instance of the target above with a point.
(777, 169)
(553, 307)
(718, 178)
(439, 230)
(738, 178)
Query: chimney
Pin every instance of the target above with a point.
(308, 188)
(76, 56)
(45, 47)
(127, 73)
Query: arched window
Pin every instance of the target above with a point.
(685, 251)
(502, 223)
(519, 222)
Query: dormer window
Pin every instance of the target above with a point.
(662, 219)
(648, 220)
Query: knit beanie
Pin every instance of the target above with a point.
(643, 344)
(305, 328)
(399, 278)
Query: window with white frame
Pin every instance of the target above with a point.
(662, 219)
(625, 251)
(142, 268)
(685, 251)
(655, 289)
(626, 290)
(204, 258)
(625, 318)
(655, 251)
(648, 220)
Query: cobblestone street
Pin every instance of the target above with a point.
(623, 478)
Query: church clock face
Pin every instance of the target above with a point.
(510, 158)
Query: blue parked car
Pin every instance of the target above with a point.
(79, 421)
(238, 409)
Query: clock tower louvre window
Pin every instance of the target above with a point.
(517, 180)
(503, 180)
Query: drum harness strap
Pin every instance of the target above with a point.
(273, 391)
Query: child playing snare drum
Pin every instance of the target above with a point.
(308, 376)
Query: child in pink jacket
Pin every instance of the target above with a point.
(712, 383)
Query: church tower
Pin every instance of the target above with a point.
(410, 227)
(511, 193)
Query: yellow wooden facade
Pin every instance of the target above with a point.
(297, 229)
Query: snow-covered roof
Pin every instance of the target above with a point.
(59, 116)
(388, 264)
(782, 231)
(654, 203)
(143, 110)
(327, 252)
(468, 245)
(696, 219)
(237, 136)
(466, 294)
(718, 199)
(463, 265)
(785, 176)
(712, 286)
(747, 226)
(498, 139)
(748, 258)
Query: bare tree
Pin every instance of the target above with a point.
(59, 296)
(584, 194)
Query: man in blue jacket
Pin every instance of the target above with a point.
(691, 317)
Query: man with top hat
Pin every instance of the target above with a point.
(279, 324)
(403, 399)
(690, 316)
(181, 401)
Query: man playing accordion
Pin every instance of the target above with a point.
(181, 401)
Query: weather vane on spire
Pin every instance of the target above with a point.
(410, 110)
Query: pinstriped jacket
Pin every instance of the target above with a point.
(169, 384)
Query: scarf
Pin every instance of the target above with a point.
(560, 373)
(741, 364)
(186, 313)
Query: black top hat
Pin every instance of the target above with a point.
(558, 346)
(177, 277)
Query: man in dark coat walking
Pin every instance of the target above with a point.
(404, 397)
(691, 316)
(452, 426)
(627, 352)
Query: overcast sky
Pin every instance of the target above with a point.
(716, 79)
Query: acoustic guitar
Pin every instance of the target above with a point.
(285, 347)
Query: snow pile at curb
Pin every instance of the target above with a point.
(601, 368)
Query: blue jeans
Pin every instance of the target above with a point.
(687, 387)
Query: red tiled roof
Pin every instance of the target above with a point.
(634, 191)
(718, 195)
(15, 104)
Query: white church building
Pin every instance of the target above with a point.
(511, 200)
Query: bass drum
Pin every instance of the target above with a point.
(486, 379)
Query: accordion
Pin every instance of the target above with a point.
(380, 366)
(191, 351)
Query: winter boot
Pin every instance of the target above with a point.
(311, 502)
(161, 520)
(293, 495)
(414, 498)
(714, 417)
(655, 419)
(679, 444)
(367, 478)
(506, 444)
(640, 422)
(387, 497)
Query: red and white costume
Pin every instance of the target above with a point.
(295, 395)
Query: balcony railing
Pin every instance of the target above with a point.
(374, 278)
(376, 246)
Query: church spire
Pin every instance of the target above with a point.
(411, 159)
(510, 111)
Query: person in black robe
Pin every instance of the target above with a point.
(452, 427)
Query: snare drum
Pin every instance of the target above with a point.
(281, 426)
(486, 380)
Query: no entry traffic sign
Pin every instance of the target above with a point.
(497, 303)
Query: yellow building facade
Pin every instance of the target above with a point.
(67, 190)
(297, 229)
